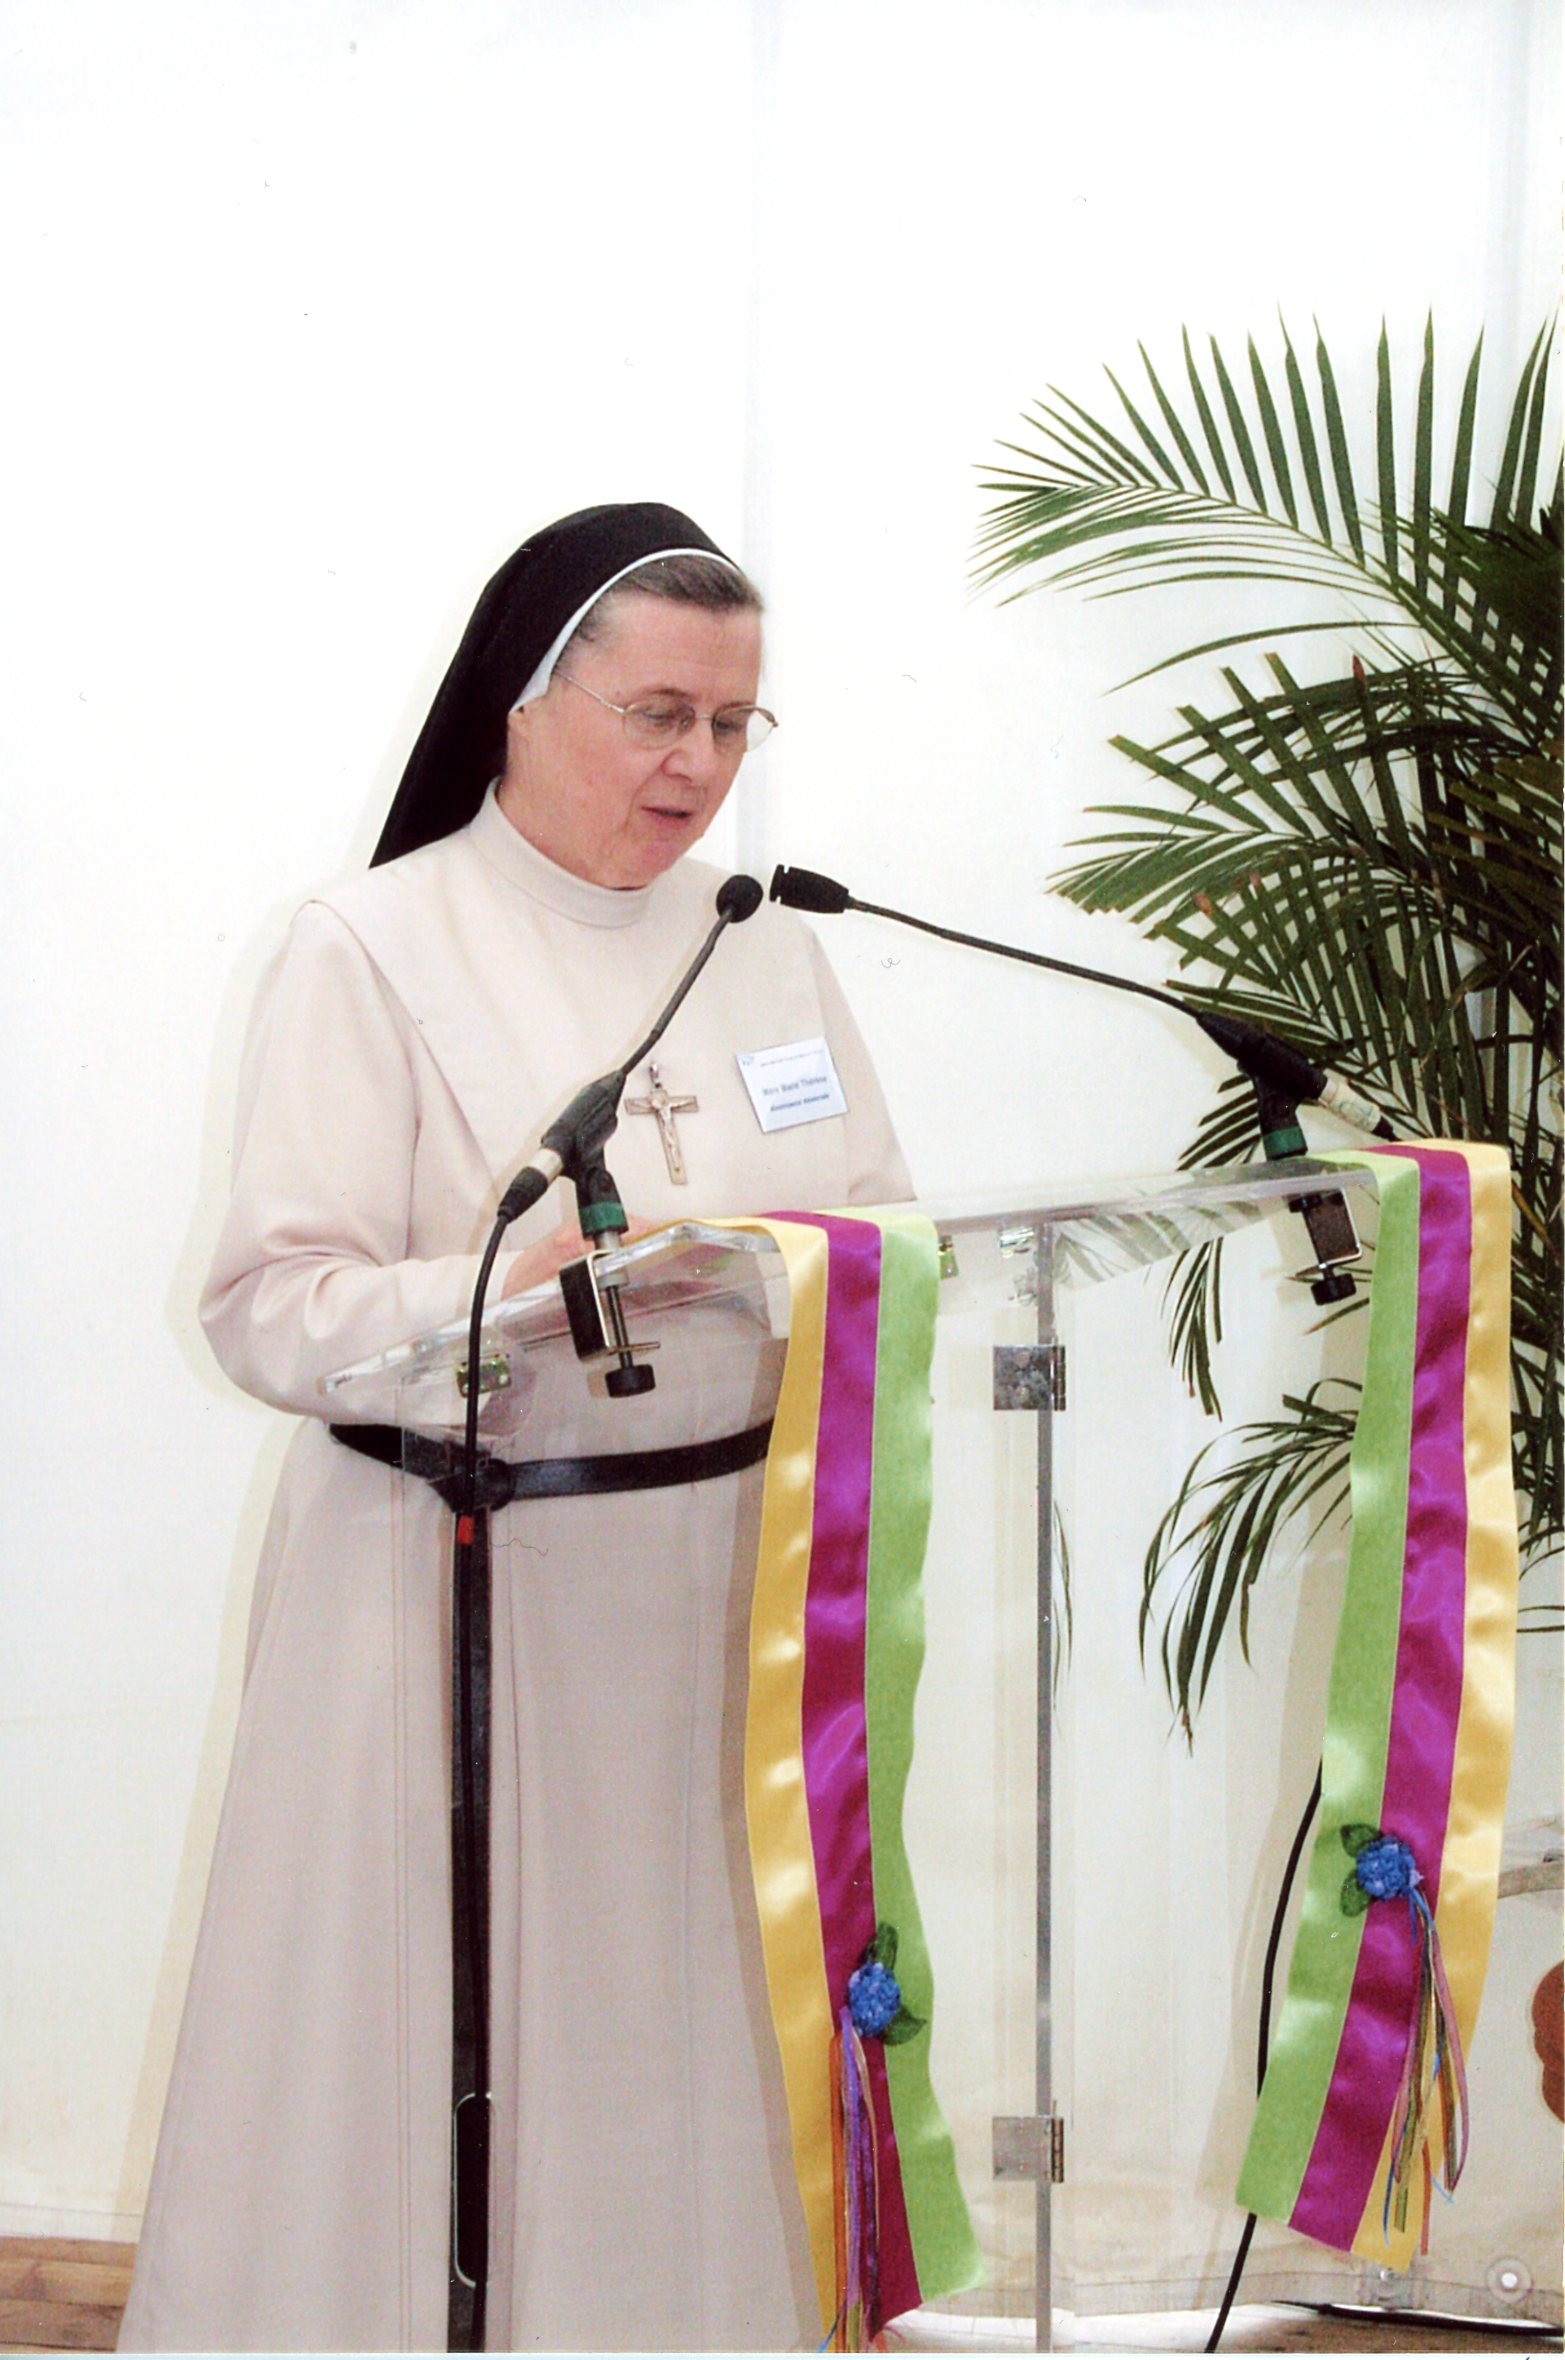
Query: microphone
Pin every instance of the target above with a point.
(738, 898)
(1284, 1077)
(573, 1143)
(1268, 1060)
(807, 889)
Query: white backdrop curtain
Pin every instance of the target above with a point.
(316, 308)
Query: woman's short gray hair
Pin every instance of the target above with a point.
(685, 579)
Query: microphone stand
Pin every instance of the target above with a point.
(571, 1148)
(1283, 1078)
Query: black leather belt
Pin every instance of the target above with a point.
(500, 1481)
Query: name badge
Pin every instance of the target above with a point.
(793, 1083)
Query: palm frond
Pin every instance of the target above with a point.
(1182, 526)
(1236, 1498)
(1369, 864)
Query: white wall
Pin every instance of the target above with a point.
(315, 308)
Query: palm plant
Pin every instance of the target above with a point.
(1369, 864)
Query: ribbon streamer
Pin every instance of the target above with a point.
(856, 2178)
(1434, 2029)
(836, 1646)
(1364, 2101)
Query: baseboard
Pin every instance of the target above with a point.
(43, 2220)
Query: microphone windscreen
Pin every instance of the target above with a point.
(807, 889)
(738, 898)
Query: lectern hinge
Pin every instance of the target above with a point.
(1030, 2147)
(1029, 1376)
(494, 1375)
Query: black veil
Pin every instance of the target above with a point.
(461, 746)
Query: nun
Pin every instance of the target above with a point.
(532, 904)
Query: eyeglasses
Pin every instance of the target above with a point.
(736, 729)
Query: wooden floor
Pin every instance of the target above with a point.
(65, 2294)
(61, 2294)
(1280, 2329)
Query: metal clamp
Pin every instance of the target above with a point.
(598, 1330)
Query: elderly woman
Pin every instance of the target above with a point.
(531, 909)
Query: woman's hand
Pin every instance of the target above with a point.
(535, 1265)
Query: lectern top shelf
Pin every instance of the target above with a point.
(1096, 1229)
(1092, 1230)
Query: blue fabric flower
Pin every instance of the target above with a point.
(874, 1999)
(1385, 1869)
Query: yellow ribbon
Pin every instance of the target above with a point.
(782, 1857)
(1480, 1770)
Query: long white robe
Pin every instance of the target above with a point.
(421, 1027)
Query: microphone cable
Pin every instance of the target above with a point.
(1264, 2042)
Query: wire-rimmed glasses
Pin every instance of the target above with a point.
(663, 721)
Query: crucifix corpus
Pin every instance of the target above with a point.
(663, 1106)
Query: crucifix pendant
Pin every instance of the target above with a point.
(663, 1106)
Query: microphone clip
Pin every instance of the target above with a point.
(1334, 1240)
(592, 1304)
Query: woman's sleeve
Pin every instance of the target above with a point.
(312, 1269)
(877, 1169)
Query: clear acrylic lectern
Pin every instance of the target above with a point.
(710, 1306)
